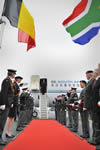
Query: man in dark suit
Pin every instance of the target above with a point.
(87, 106)
(88, 91)
(7, 95)
(95, 108)
(13, 109)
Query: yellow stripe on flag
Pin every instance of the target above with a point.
(26, 22)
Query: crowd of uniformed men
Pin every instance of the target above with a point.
(87, 104)
(13, 103)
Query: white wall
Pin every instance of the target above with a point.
(55, 56)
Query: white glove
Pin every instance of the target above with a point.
(99, 103)
(2, 107)
(84, 109)
(12, 105)
(79, 101)
(72, 105)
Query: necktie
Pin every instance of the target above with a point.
(94, 82)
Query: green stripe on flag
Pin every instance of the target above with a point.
(92, 17)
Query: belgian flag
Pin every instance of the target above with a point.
(19, 17)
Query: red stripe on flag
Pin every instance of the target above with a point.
(77, 11)
(25, 38)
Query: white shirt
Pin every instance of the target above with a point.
(97, 77)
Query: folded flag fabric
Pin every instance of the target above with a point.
(19, 17)
(84, 22)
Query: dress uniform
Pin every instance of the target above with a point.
(74, 113)
(58, 107)
(69, 109)
(54, 103)
(63, 111)
(7, 95)
(22, 114)
(29, 108)
(83, 114)
(13, 109)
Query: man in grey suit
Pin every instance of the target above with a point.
(83, 114)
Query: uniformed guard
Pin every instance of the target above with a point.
(58, 107)
(69, 108)
(54, 103)
(6, 100)
(83, 114)
(74, 113)
(63, 110)
(13, 109)
(22, 114)
(29, 108)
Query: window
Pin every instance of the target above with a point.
(78, 85)
(56, 85)
(52, 84)
(65, 85)
(73, 85)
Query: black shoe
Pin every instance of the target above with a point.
(85, 136)
(2, 142)
(73, 130)
(25, 123)
(69, 126)
(23, 126)
(11, 136)
(19, 129)
(93, 142)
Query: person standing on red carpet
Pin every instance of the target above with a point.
(6, 100)
(13, 109)
(22, 115)
(74, 112)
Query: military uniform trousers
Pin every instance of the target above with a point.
(75, 119)
(29, 115)
(70, 117)
(22, 118)
(3, 118)
(63, 117)
(85, 122)
(55, 114)
(58, 115)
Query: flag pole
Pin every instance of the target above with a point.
(2, 23)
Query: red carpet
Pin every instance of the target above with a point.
(48, 135)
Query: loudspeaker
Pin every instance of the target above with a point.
(43, 85)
